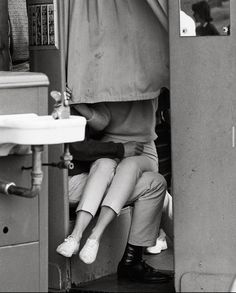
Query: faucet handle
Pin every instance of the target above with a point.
(57, 96)
(61, 109)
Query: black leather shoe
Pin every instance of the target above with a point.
(141, 272)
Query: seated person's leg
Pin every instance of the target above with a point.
(98, 180)
(89, 189)
(89, 252)
(124, 182)
(76, 186)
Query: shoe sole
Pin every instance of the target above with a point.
(68, 256)
(121, 277)
(149, 252)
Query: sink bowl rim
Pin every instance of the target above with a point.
(34, 121)
(32, 129)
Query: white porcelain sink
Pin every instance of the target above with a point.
(31, 129)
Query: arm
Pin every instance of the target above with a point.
(97, 115)
(92, 150)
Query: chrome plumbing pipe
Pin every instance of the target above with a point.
(36, 178)
(67, 158)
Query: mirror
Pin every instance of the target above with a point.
(204, 18)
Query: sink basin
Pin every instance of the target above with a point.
(32, 129)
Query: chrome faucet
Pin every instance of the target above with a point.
(61, 107)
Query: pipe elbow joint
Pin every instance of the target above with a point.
(24, 192)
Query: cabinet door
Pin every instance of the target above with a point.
(12, 260)
(203, 121)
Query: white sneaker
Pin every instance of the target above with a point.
(89, 252)
(69, 247)
(161, 244)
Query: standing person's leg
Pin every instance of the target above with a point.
(90, 193)
(167, 216)
(166, 227)
(148, 198)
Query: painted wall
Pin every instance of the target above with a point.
(203, 117)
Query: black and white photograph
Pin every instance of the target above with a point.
(204, 18)
(117, 146)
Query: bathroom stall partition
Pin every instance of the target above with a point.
(203, 120)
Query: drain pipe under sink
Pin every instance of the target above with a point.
(36, 177)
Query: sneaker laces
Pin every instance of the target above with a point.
(69, 238)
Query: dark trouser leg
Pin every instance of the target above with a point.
(133, 268)
(145, 223)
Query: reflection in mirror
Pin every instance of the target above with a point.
(204, 18)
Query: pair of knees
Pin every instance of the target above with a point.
(104, 166)
(129, 165)
(108, 166)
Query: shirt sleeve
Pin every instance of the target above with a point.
(100, 117)
(92, 150)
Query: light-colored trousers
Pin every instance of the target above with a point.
(111, 184)
(147, 198)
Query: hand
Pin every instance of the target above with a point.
(133, 148)
(68, 93)
(56, 96)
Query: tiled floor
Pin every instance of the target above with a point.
(162, 261)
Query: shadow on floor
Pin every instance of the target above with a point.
(110, 284)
